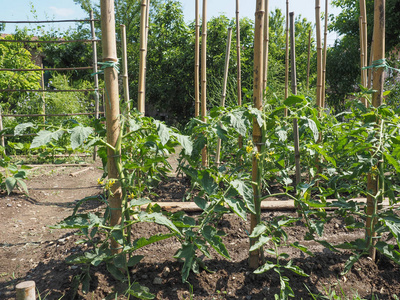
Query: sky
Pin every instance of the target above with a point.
(21, 10)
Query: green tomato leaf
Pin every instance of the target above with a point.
(10, 184)
(140, 291)
(246, 192)
(188, 253)
(265, 268)
(350, 262)
(163, 132)
(211, 236)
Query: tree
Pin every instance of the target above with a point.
(16, 56)
(343, 61)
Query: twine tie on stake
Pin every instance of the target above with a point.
(103, 66)
(381, 63)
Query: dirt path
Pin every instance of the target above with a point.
(53, 192)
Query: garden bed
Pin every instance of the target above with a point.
(29, 250)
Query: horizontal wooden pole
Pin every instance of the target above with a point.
(48, 69)
(49, 42)
(46, 91)
(47, 21)
(267, 205)
(51, 115)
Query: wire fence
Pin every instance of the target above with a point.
(93, 40)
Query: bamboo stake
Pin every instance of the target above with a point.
(43, 96)
(294, 91)
(287, 55)
(319, 53)
(223, 96)
(324, 55)
(371, 58)
(377, 100)
(308, 60)
(146, 43)
(112, 111)
(125, 69)
(1, 128)
(266, 44)
(204, 77)
(239, 68)
(362, 54)
(257, 131)
(95, 76)
(142, 61)
(197, 63)
(363, 11)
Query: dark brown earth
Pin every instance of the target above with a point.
(29, 250)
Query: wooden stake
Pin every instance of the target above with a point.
(319, 53)
(204, 78)
(223, 96)
(257, 131)
(142, 62)
(308, 60)
(377, 99)
(146, 43)
(112, 111)
(125, 69)
(363, 12)
(197, 63)
(362, 54)
(95, 76)
(26, 290)
(239, 69)
(266, 44)
(43, 96)
(287, 55)
(294, 92)
(324, 55)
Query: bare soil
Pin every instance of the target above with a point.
(29, 250)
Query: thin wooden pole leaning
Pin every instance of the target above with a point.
(112, 112)
(294, 92)
(324, 55)
(238, 51)
(308, 60)
(43, 96)
(377, 100)
(266, 44)
(95, 75)
(1, 128)
(223, 96)
(287, 55)
(197, 62)
(142, 60)
(362, 54)
(239, 67)
(146, 42)
(319, 53)
(254, 258)
(371, 59)
(204, 158)
(363, 12)
(124, 75)
(364, 46)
